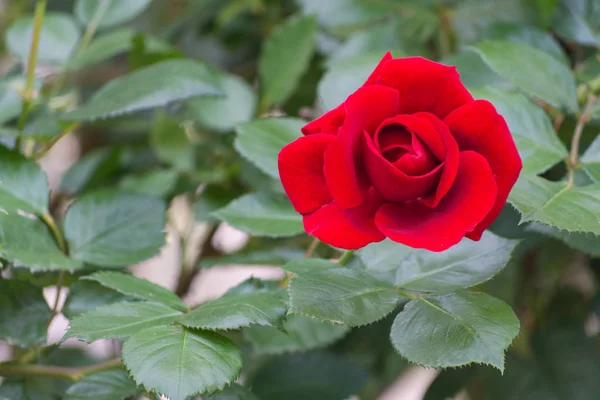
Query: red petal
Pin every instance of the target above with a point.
(450, 160)
(328, 123)
(471, 198)
(391, 183)
(301, 172)
(477, 126)
(347, 229)
(344, 170)
(377, 71)
(424, 85)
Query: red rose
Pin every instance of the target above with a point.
(410, 156)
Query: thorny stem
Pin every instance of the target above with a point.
(50, 371)
(40, 10)
(584, 117)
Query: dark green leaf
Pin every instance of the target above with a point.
(341, 296)
(86, 296)
(171, 143)
(24, 314)
(179, 363)
(92, 168)
(539, 146)
(108, 12)
(337, 14)
(285, 57)
(299, 333)
(383, 256)
(105, 385)
(536, 70)
(585, 242)
(276, 257)
(10, 99)
(154, 86)
(139, 288)
(115, 229)
(377, 39)
(260, 141)
(58, 38)
(455, 329)
(450, 382)
(155, 183)
(577, 20)
(14, 195)
(26, 242)
(590, 161)
(467, 264)
(234, 311)
(262, 215)
(233, 392)
(120, 320)
(557, 204)
(474, 73)
(318, 376)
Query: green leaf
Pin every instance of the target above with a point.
(24, 314)
(344, 77)
(539, 146)
(158, 183)
(338, 14)
(467, 264)
(120, 320)
(455, 329)
(179, 362)
(341, 296)
(222, 114)
(112, 12)
(211, 199)
(10, 99)
(285, 57)
(383, 256)
(233, 392)
(577, 20)
(262, 215)
(261, 140)
(590, 161)
(115, 229)
(587, 243)
(299, 333)
(377, 39)
(14, 195)
(557, 204)
(91, 169)
(155, 86)
(86, 296)
(234, 311)
(104, 385)
(58, 38)
(275, 257)
(474, 73)
(535, 70)
(171, 143)
(142, 289)
(26, 242)
(317, 376)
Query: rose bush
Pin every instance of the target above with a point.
(410, 156)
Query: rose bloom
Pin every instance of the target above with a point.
(410, 156)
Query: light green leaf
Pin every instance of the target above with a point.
(115, 229)
(285, 57)
(338, 14)
(139, 288)
(274, 257)
(151, 87)
(233, 392)
(171, 143)
(262, 215)
(577, 20)
(467, 264)
(222, 114)
(24, 314)
(86, 296)
(179, 362)
(299, 333)
(234, 311)
(309, 265)
(260, 141)
(344, 77)
(539, 146)
(93, 168)
(316, 376)
(455, 329)
(383, 256)
(14, 195)
(590, 161)
(535, 70)
(120, 320)
(587, 243)
(26, 242)
(154, 183)
(58, 38)
(528, 35)
(10, 99)
(104, 385)
(474, 73)
(557, 204)
(377, 39)
(341, 296)
(112, 12)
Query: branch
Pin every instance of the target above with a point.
(584, 117)
(50, 371)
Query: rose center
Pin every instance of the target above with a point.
(403, 149)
